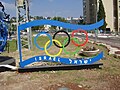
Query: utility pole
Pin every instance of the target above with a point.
(96, 31)
(22, 16)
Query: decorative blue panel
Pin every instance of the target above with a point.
(79, 61)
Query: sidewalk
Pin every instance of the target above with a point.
(103, 35)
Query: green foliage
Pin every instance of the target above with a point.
(13, 27)
(38, 27)
(52, 28)
(101, 14)
(12, 45)
(58, 19)
(38, 17)
(13, 19)
(81, 22)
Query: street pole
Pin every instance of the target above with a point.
(17, 21)
(22, 10)
(29, 32)
(96, 32)
(95, 5)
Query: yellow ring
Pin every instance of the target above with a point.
(59, 50)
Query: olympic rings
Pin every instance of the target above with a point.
(59, 45)
(58, 52)
(73, 53)
(67, 43)
(35, 40)
(83, 32)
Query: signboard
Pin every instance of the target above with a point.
(55, 57)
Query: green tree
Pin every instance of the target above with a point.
(62, 19)
(59, 19)
(38, 27)
(101, 15)
(48, 17)
(13, 19)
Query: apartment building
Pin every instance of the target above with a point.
(112, 10)
(89, 11)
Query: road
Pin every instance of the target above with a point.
(113, 41)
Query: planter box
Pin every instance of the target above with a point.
(90, 53)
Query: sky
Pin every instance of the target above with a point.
(63, 8)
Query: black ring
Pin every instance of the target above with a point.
(65, 33)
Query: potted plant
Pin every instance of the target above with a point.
(89, 51)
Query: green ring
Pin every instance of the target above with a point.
(69, 53)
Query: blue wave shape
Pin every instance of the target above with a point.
(80, 61)
(61, 24)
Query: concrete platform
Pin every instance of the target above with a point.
(6, 63)
(5, 60)
(58, 67)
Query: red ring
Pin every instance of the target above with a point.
(80, 31)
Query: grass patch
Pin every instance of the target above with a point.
(12, 45)
(102, 45)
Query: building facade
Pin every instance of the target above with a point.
(112, 10)
(109, 11)
(89, 11)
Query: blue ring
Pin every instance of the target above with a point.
(35, 40)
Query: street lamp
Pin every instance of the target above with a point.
(95, 5)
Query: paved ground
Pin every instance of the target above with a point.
(113, 41)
